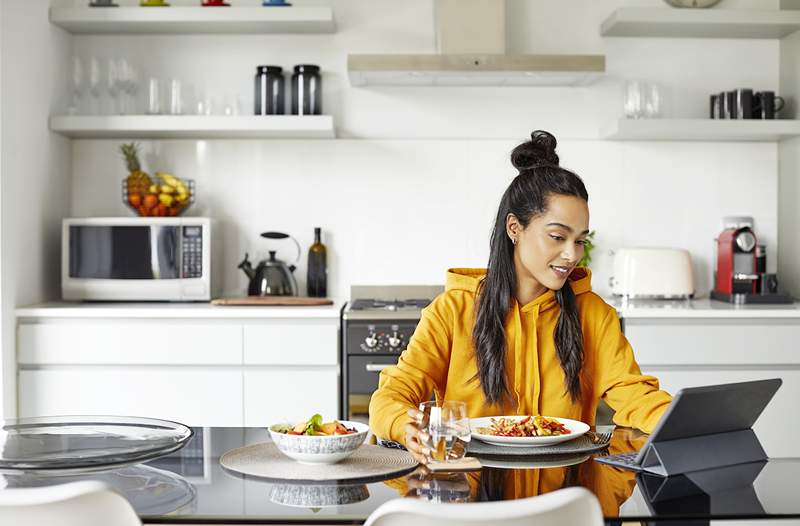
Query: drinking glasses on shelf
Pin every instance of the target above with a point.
(643, 100)
(447, 426)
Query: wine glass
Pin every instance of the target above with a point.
(94, 84)
(447, 426)
(77, 87)
(113, 86)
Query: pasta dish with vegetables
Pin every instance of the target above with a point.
(529, 426)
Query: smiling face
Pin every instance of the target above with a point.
(550, 247)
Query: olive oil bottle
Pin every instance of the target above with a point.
(317, 279)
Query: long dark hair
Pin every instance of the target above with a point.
(539, 177)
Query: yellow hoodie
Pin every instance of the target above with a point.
(440, 359)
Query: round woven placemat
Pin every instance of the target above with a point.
(582, 444)
(368, 462)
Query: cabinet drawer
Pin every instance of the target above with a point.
(195, 397)
(777, 428)
(287, 395)
(136, 343)
(297, 343)
(724, 342)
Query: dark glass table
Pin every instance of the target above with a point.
(190, 487)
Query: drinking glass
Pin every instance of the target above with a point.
(634, 99)
(175, 98)
(652, 101)
(447, 426)
(153, 96)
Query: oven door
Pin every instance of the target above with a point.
(362, 380)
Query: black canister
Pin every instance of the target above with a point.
(306, 90)
(270, 89)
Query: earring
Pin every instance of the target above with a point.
(514, 240)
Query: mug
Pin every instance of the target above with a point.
(713, 110)
(745, 102)
(766, 108)
(728, 105)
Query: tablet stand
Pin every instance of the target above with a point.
(684, 455)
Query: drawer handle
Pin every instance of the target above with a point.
(377, 367)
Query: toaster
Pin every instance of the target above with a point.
(656, 273)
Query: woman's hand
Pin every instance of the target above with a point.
(415, 438)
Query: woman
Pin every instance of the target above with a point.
(527, 336)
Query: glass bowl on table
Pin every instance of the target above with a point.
(446, 424)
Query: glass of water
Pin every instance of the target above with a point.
(447, 425)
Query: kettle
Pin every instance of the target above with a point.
(271, 277)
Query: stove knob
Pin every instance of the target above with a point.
(394, 341)
(371, 341)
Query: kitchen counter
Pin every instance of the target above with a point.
(700, 308)
(174, 310)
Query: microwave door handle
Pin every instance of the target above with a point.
(155, 234)
(377, 367)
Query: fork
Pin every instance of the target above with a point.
(599, 438)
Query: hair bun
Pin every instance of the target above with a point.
(540, 150)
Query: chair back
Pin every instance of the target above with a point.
(574, 506)
(83, 503)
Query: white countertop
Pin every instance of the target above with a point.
(63, 309)
(633, 309)
(700, 308)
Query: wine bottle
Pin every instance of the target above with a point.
(317, 279)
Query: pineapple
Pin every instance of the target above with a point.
(138, 181)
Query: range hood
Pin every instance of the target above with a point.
(471, 40)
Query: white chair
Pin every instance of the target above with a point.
(574, 506)
(84, 503)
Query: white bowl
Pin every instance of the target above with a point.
(329, 449)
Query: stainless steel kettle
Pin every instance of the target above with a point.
(271, 277)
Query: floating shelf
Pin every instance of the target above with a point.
(700, 23)
(193, 20)
(701, 130)
(194, 127)
(474, 70)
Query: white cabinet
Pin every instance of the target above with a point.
(192, 396)
(289, 395)
(301, 342)
(692, 352)
(130, 342)
(201, 372)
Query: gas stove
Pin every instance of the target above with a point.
(377, 324)
(389, 302)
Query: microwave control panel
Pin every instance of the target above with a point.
(192, 242)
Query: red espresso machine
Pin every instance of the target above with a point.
(738, 278)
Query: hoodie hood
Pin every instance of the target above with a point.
(468, 279)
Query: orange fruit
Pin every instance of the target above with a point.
(150, 200)
(135, 200)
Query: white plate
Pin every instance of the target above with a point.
(576, 429)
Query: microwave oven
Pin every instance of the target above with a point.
(136, 259)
